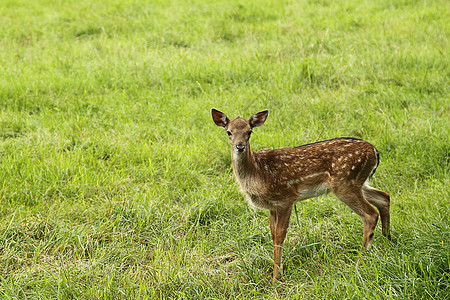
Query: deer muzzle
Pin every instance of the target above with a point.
(240, 147)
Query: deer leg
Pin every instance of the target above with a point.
(279, 223)
(273, 220)
(354, 198)
(381, 201)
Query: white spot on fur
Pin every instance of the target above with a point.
(313, 175)
(291, 182)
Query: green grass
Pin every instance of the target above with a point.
(116, 184)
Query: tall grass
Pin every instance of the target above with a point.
(115, 183)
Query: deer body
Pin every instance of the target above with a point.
(271, 175)
(275, 179)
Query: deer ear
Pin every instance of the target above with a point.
(259, 118)
(219, 118)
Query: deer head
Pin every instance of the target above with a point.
(239, 129)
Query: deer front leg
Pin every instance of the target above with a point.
(279, 223)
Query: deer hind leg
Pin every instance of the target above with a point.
(381, 201)
(279, 223)
(354, 198)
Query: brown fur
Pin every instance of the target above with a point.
(275, 179)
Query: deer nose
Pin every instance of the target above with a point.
(240, 147)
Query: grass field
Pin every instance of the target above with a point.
(116, 184)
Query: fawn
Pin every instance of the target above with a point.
(275, 179)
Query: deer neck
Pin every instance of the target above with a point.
(244, 164)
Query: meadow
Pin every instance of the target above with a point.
(116, 184)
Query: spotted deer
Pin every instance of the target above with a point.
(275, 179)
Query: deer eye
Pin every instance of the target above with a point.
(229, 133)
